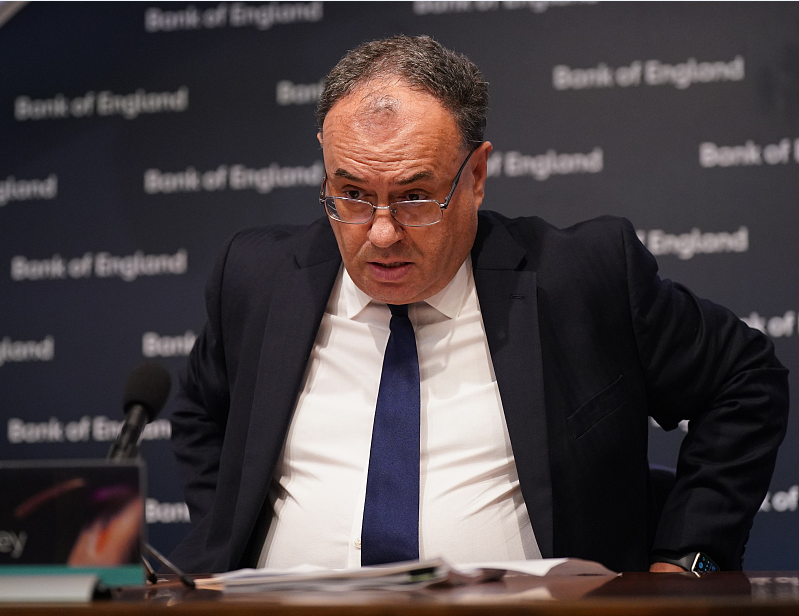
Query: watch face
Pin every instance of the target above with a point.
(703, 564)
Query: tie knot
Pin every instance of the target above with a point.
(398, 310)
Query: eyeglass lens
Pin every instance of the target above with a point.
(411, 213)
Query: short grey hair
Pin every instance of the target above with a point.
(422, 63)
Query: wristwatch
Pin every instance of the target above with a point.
(695, 561)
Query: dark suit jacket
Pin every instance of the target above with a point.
(586, 343)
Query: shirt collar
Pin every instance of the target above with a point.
(448, 301)
(355, 300)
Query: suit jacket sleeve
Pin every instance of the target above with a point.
(703, 364)
(201, 405)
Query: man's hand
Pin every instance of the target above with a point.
(665, 568)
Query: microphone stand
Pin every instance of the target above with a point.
(163, 560)
(145, 394)
(131, 451)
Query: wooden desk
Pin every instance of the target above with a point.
(631, 594)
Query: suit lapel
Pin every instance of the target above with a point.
(508, 302)
(297, 304)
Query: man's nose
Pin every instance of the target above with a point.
(384, 230)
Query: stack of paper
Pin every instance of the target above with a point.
(392, 577)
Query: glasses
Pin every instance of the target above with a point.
(418, 213)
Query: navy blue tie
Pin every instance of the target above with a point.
(390, 531)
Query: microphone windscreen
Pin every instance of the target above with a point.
(148, 385)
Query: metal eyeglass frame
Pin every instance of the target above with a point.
(442, 206)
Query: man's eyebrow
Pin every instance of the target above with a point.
(343, 173)
(416, 177)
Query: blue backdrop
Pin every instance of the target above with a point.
(136, 137)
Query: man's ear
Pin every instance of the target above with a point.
(319, 137)
(480, 171)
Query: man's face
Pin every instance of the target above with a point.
(385, 143)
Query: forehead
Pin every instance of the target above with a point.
(382, 122)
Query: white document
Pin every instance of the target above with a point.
(392, 577)
(543, 567)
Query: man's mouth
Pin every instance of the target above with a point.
(389, 272)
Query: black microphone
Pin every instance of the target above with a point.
(145, 395)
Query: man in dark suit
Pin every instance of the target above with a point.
(583, 342)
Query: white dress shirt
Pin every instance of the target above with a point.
(470, 503)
